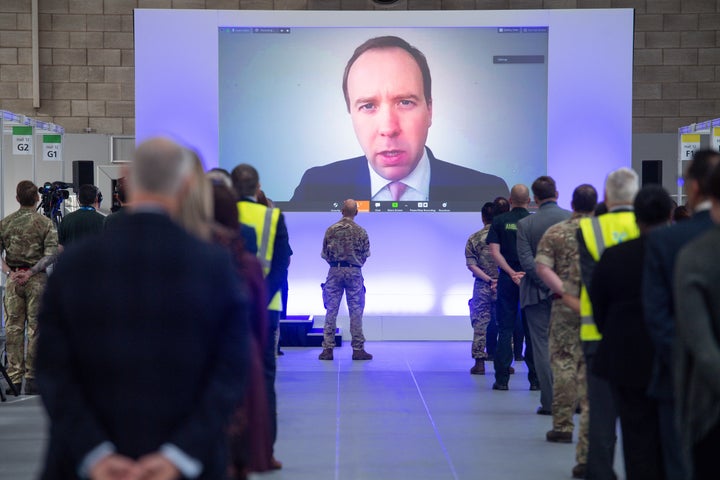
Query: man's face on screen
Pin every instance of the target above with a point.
(389, 111)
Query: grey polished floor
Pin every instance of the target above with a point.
(413, 412)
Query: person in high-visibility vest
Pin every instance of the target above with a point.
(595, 234)
(616, 294)
(273, 251)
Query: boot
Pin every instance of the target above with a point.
(361, 355)
(579, 470)
(327, 354)
(558, 437)
(478, 368)
(276, 464)
(30, 387)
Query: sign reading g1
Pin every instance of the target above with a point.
(22, 140)
(52, 148)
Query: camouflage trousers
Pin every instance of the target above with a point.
(22, 303)
(482, 312)
(569, 376)
(350, 281)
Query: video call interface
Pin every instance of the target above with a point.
(282, 109)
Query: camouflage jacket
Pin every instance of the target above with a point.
(27, 236)
(477, 252)
(558, 249)
(346, 241)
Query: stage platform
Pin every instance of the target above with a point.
(301, 331)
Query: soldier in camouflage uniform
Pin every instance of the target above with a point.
(345, 247)
(482, 304)
(29, 243)
(558, 264)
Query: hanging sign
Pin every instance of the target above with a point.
(689, 142)
(715, 138)
(22, 140)
(52, 148)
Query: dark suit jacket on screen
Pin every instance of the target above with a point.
(351, 179)
(143, 341)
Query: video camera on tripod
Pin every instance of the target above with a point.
(51, 198)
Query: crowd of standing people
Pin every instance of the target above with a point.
(617, 305)
(620, 302)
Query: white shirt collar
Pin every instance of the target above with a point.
(704, 205)
(418, 183)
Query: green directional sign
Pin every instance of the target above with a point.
(22, 140)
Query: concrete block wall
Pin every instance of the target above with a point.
(87, 71)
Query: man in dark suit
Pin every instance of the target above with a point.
(143, 341)
(387, 91)
(697, 353)
(615, 292)
(535, 296)
(662, 248)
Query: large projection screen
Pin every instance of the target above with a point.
(416, 277)
(283, 85)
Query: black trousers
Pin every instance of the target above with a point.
(603, 420)
(508, 309)
(642, 446)
(705, 455)
(270, 367)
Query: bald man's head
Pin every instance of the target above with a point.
(519, 195)
(349, 208)
(160, 167)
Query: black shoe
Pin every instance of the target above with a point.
(519, 358)
(497, 386)
(280, 353)
(534, 387)
(18, 387)
(542, 411)
(559, 437)
(30, 388)
(490, 358)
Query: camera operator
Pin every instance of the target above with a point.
(29, 242)
(119, 202)
(83, 222)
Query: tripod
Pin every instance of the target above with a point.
(10, 384)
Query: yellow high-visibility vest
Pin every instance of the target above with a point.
(264, 220)
(600, 233)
